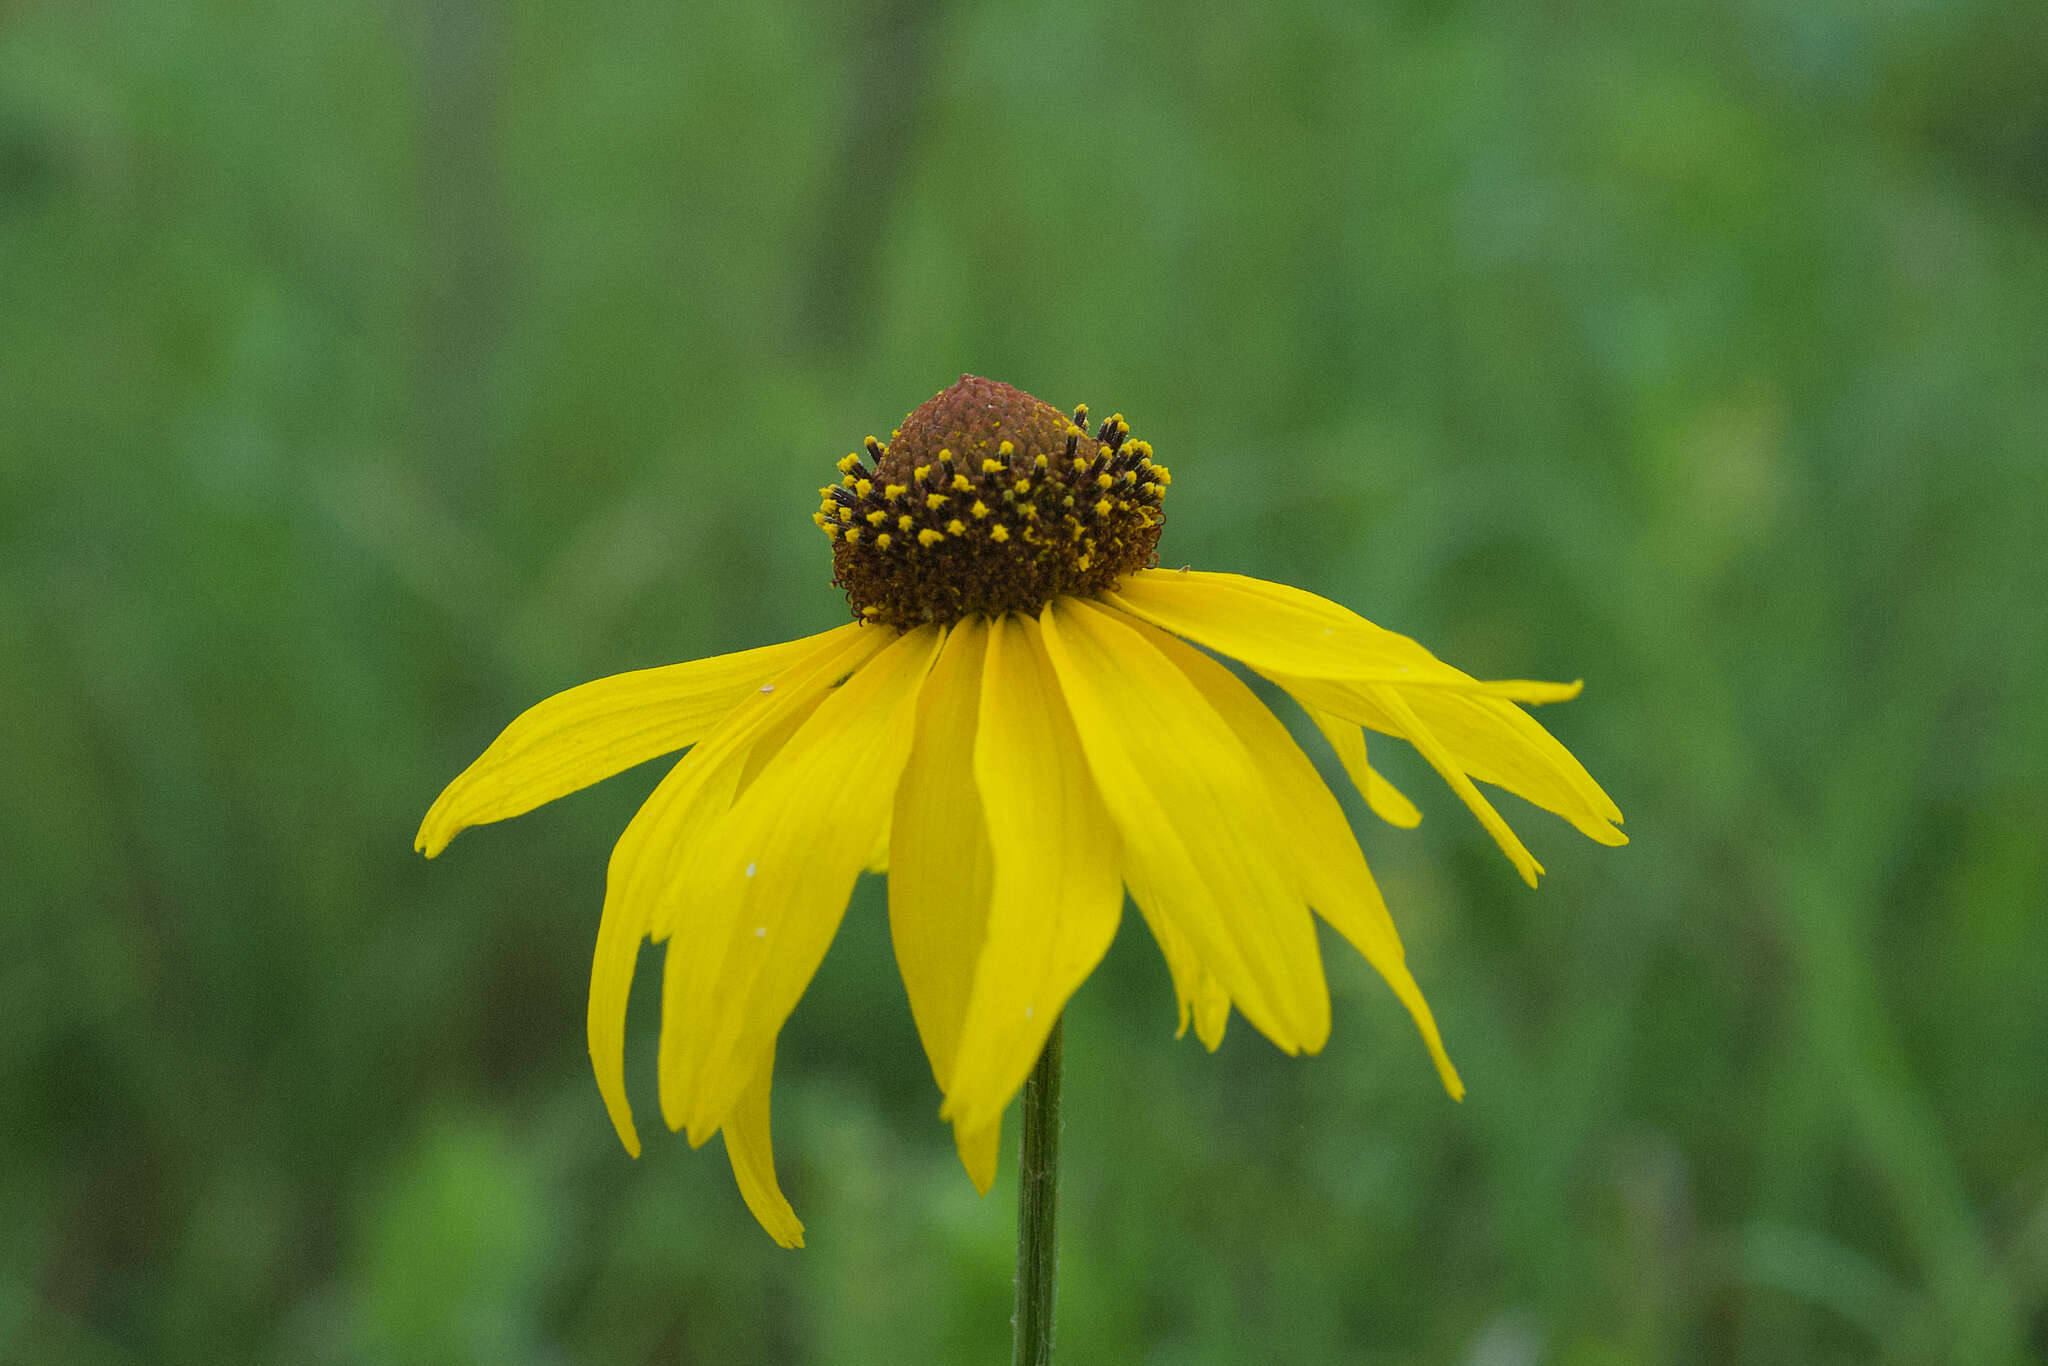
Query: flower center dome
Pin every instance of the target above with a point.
(987, 500)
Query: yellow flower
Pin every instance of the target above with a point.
(1016, 729)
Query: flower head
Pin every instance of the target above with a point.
(1016, 730)
(986, 501)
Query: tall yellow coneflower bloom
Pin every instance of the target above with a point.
(1017, 730)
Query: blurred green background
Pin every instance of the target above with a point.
(370, 371)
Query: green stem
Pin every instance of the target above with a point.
(1038, 1191)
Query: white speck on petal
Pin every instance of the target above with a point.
(767, 687)
(1028, 1011)
(750, 870)
(760, 931)
(1329, 630)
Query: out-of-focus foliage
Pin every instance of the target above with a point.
(369, 371)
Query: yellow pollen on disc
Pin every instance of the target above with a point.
(906, 555)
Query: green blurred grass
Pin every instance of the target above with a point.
(368, 372)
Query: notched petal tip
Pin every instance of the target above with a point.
(978, 1148)
(433, 835)
(1212, 1017)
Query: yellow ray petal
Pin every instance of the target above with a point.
(1385, 800)
(1278, 629)
(1499, 743)
(978, 1149)
(1201, 997)
(1333, 660)
(768, 882)
(685, 803)
(939, 851)
(1197, 825)
(1056, 893)
(1326, 854)
(1490, 738)
(1441, 759)
(878, 857)
(748, 1148)
(578, 737)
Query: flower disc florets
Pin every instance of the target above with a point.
(987, 501)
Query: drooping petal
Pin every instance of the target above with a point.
(1272, 626)
(752, 1156)
(1446, 765)
(1335, 661)
(1056, 893)
(1198, 826)
(702, 791)
(767, 884)
(1385, 800)
(1490, 738)
(1201, 998)
(939, 851)
(1326, 854)
(588, 733)
(694, 793)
